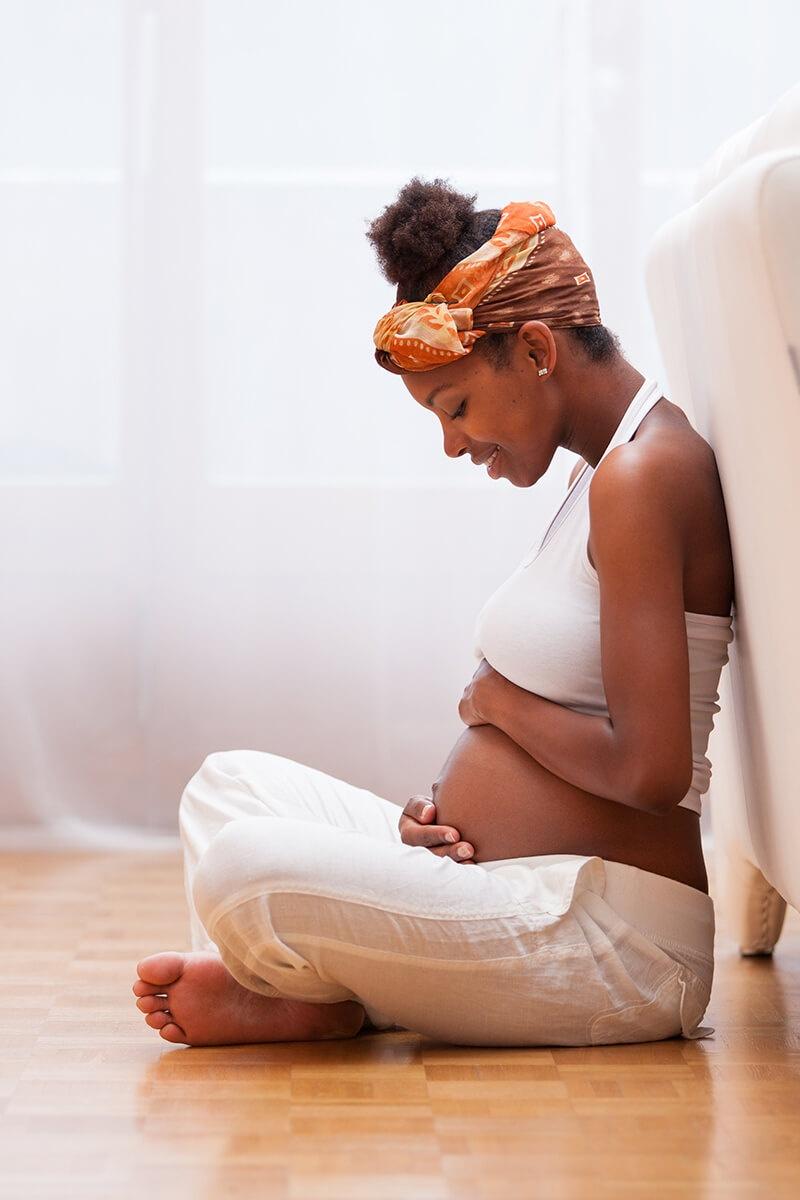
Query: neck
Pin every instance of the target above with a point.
(597, 400)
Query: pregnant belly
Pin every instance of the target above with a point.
(507, 805)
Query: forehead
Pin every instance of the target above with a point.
(439, 386)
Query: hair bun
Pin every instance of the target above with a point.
(420, 229)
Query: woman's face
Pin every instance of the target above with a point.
(513, 407)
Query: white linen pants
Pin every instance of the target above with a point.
(300, 882)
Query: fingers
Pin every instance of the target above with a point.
(417, 829)
(461, 852)
(441, 840)
(421, 808)
(415, 834)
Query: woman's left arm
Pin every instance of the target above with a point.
(578, 747)
(641, 754)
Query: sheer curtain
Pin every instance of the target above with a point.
(223, 525)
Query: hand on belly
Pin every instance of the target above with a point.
(506, 804)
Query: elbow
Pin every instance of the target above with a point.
(662, 794)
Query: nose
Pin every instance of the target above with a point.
(454, 445)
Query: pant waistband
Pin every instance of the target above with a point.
(662, 909)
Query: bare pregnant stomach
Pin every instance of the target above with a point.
(507, 805)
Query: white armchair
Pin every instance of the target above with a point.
(723, 280)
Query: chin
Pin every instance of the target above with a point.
(532, 477)
(510, 474)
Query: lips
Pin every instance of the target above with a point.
(480, 461)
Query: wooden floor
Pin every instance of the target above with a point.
(96, 1104)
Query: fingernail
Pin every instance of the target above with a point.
(451, 837)
(464, 851)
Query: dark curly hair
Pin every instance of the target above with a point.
(427, 230)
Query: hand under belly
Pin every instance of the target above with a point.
(507, 805)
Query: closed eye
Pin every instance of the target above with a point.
(460, 410)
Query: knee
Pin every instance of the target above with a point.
(188, 811)
(248, 856)
(196, 786)
(207, 783)
(219, 762)
(218, 877)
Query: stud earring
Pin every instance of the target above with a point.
(543, 370)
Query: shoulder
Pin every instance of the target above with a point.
(665, 475)
(637, 519)
(641, 500)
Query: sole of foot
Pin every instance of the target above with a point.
(192, 999)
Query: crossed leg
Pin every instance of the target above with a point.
(307, 912)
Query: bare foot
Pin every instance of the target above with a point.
(193, 998)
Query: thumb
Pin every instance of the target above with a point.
(426, 808)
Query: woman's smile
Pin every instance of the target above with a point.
(492, 463)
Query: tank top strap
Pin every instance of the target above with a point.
(648, 395)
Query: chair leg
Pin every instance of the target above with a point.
(754, 910)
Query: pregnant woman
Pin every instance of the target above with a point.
(551, 890)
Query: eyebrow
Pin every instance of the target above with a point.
(441, 387)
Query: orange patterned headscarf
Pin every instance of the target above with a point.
(527, 271)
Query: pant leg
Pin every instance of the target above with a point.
(319, 913)
(234, 784)
(303, 884)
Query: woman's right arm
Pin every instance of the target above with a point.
(417, 828)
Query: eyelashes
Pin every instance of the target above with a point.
(460, 410)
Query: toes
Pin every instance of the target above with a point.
(161, 968)
(141, 988)
(157, 1020)
(173, 1033)
(148, 1004)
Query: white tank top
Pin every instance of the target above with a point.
(541, 628)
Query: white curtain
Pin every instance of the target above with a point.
(223, 526)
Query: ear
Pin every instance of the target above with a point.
(541, 345)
